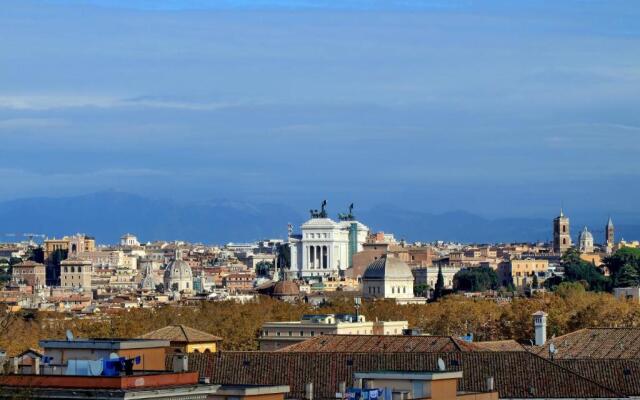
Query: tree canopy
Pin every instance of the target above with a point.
(476, 279)
(571, 307)
(624, 267)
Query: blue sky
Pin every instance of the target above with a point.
(494, 107)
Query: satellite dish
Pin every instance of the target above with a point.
(441, 366)
(113, 355)
(552, 349)
(69, 335)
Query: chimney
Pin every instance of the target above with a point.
(489, 386)
(342, 388)
(180, 363)
(540, 326)
(308, 391)
(36, 366)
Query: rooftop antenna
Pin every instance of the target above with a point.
(69, 335)
(441, 366)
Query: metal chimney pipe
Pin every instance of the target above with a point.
(489, 384)
(342, 388)
(308, 391)
(36, 366)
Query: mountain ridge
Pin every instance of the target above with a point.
(109, 214)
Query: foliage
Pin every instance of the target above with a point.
(476, 279)
(14, 260)
(623, 266)
(263, 268)
(570, 307)
(36, 254)
(535, 284)
(438, 290)
(421, 290)
(578, 270)
(284, 255)
(627, 276)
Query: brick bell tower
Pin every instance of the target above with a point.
(561, 234)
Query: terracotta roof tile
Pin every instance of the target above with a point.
(500, 345)
(621, 374)
(181, 333)
(380, 344)
(516, 374)
(593, 343)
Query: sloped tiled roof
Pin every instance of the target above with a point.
(500, 345)
(181, 334)
(517, 374)
(621, 374)
(594, 343)
(28, 263)
(380, 344)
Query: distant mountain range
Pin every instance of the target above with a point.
(108, 215)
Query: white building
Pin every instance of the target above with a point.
(325, 247)
(429, 276)
(388, 278)
(586, 241)
(129, 240)
(276, 335)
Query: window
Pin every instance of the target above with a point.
(301, 333)
(277, 333)
(290, 333)
(313, 333)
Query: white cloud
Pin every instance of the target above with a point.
(62, 101)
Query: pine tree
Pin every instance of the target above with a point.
(535, 284)
(628, 276)
(437, 293)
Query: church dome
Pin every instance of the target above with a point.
(585, 235)
(388, 267)
(286, 288)
(178, 270)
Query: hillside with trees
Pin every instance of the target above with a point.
(570, 307)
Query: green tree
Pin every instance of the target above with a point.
(263, 268)
(535, 284)
(36, 255)
(621, 258)
(578, 270)
(628, 276)
(421, 289)
(476, 279)
(438, 290)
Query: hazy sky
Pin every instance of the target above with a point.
(495, 107)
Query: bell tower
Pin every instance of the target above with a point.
(609, 236)
(561, 234)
